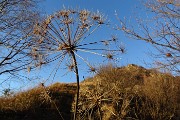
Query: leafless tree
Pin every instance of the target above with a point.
(161, 30)
(65, 34)
(16, 25)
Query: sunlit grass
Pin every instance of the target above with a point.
(114, 93)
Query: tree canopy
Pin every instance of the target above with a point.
(17, 18)
(161, 30)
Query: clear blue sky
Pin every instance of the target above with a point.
(136, 50)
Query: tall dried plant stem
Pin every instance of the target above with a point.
(63, 35)
(77, 78)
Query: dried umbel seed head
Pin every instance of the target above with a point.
(57, 15)
(71, 67)
(106, 43)
(168, 55)
(34, 49)
(123, 28)
(114, 38)
(101, 21)
(40, 63)
(83, 15)
(73, 11)
(95, 17)
(122, 49)
(48, 20)
(68, 21)
(40, 30)
(37, 29)
(98, 17)
(110, 56)
(62, 46)
(61, 29)
(85, 25)
(29, 44)
(64, 13)
(34, 55)
(92, 69)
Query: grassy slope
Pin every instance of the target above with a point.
(113, 93)
(39, 103)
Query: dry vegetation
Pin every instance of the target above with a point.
(46, 103)
(130, 92)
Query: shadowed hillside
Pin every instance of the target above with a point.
(130, 92)
(40, 103)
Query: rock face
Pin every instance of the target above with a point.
(112, 94)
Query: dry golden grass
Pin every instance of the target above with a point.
(53, 102)
(161, 96)
(130, 92)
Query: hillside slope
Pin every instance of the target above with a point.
(130, 92)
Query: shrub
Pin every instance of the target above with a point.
(131, 92)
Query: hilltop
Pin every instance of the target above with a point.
(129, 92)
